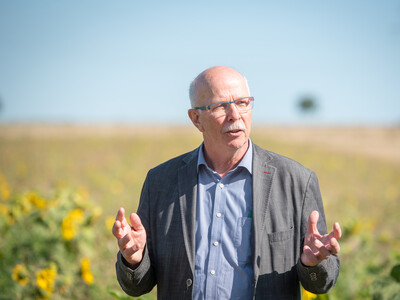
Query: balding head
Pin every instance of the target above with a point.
(216, 82)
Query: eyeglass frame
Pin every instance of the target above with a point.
(208, 107)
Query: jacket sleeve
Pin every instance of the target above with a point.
(321, 278)
(141, 280)
(135, 282)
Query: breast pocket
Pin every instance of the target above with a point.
(282, 246)
(281, 236)
(242, 240)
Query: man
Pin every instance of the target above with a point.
(228, 220)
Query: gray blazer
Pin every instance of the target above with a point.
(284, 194)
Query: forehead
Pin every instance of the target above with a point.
(223, 88)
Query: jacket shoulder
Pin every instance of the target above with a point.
(172, 165)
(280, 162)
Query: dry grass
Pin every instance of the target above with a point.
(376, 142)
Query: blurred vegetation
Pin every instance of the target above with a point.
(307, 104)
(48, 182)
(46, 245)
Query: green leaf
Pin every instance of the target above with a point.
(323, 297)
(118, 295)
(122, 296)
(395, 272)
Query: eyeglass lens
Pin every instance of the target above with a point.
(242, 105)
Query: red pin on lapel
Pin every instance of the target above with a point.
(267, 172)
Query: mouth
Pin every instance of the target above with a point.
(235, 129)
(235, 132)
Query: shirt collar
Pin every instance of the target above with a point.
(246, 162)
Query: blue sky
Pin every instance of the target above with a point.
(132, 61)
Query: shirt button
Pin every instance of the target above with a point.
(215, 243)
(219, 215)
(221, 185)
(212, 272)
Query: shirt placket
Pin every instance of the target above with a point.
(214, 267)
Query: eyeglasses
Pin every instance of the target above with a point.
(220, 108)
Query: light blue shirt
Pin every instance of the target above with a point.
(223, 264)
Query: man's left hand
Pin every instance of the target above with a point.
(319, 247)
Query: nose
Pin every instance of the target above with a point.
(233, 112)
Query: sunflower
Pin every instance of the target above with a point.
(20, 274)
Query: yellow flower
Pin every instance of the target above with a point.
(20, 274)
(30, 201)
(76, 214)
(4, 210)
(45, 279)
(110, 222)
(68, 232)
(87, 276)
(5, 191)
(71, 223)
(308, 296)
(37, 201)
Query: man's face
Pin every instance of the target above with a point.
(230, 131)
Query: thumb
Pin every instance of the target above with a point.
(312, 222)
(136, 222)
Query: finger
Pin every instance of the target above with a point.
(136, 222)
(312, 222)
(317, 253)
(323, 253)
(308, 257)
(120, 215)
(117, 230)
(337, 231)
(318, 244)
(129, 252)
(334, 246)
(127, 242)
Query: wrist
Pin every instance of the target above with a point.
(132, 266)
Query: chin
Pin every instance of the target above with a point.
(238, 143)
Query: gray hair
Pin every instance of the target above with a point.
(192, 93)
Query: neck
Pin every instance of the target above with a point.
(224, 161)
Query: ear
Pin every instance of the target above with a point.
(194, 116)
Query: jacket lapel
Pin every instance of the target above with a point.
(263, 175)
(187, 187)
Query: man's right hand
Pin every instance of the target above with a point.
(131, 239)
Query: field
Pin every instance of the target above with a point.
(358, 170)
